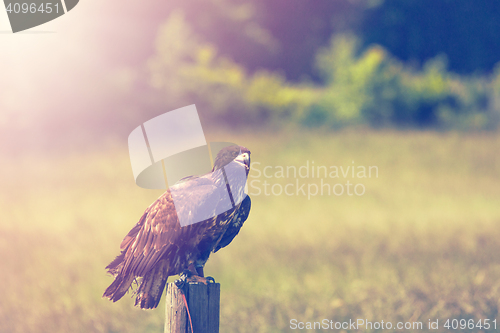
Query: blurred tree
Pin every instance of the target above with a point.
(187, 70)
(354, 85)
(278, 35)
(301, 28)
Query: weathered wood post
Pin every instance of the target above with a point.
(204, 305)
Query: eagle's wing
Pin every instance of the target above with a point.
(158, 236)
(159, 230)
(237, 222)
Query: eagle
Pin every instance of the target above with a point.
(159, 246)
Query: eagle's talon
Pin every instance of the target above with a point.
(180, 283)
(199, 279)
(183, 279)
(186, 274)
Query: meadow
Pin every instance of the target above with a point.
(422, 242)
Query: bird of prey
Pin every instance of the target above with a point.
(158, 246)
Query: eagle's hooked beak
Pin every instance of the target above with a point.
(243, 159)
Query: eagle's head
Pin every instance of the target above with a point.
(238, 154)
(235, 164)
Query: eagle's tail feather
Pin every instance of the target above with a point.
(119, 287)
(152, 286)
(115, 266)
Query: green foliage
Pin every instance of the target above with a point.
(193, 71)
(377, 89)
(275, 99)
(359, 87)
(186, 68)
(348, 82)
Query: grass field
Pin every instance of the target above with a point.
(423, 242)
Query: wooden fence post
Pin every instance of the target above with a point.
(204, 306)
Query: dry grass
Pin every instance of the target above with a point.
(422, 243)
